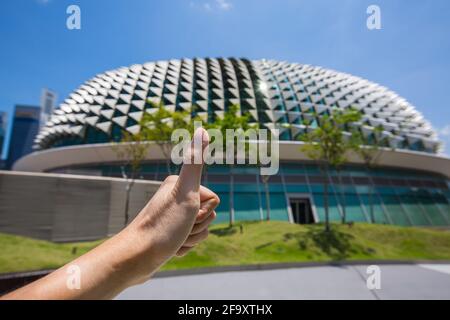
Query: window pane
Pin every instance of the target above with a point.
(374, 202)
(296, 188)
(412, 206)
(278, 206)
(333, 209)
(432, 211)
(223, 213)
(353, 209)
(395, 210)
(442, 204)
(246, 206)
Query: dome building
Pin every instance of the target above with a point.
(409, 186)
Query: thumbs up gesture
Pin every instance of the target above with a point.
(177, 217)
(172, 223)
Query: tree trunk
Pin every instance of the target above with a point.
(372, 214)
(231, 195)
(371, 189)
(325, 201)
(266, 189)
(127, 201)
(342, 197)
(166, 154)
(169, 169)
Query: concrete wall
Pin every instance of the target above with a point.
(66, 207)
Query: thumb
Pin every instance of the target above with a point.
(191, 172)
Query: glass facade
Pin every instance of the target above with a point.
(276, 95)
(25, 127)
(2, 133)
(389, 195)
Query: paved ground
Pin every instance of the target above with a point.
(327, 282)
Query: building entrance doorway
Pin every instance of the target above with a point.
(301, 210)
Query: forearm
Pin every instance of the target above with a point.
(104, 272)
(174, 221)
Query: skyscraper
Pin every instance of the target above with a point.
(3, 116)
(25, 126)
(48, 101)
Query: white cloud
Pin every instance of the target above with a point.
(224, 4)
(212, 5)
(444, 135)
(445, 131)
(43, 2)
(207, 6)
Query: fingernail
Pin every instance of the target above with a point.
(202, 135)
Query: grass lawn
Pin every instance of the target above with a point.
(259, 242)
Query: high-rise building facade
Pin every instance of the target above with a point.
(25, 126)
(3, 123)
(3, 128)
(48, 102)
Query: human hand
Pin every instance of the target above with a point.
(177, 217)
(173, 222)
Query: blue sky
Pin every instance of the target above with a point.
(410, 54)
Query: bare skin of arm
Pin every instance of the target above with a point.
(172, 223)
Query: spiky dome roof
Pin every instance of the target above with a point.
(272, 92)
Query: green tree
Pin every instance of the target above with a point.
(132, 149)
(158, 124)
(265, 178)
(232, 119)
(328, 145)
(369, 149)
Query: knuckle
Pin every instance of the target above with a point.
(171, 178)
(191, 201)
(216, 200)
(202, 215)
(191, 204)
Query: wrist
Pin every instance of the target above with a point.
(134, 255)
